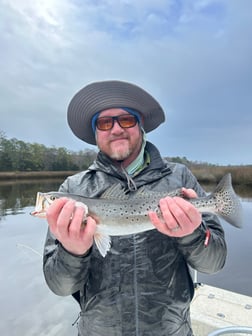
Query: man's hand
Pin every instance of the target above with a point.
(65, 219)
(179, 217)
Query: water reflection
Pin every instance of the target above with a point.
(15, 196)
(24, 294)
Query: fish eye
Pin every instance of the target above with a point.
(52, 198)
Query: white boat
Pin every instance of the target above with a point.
(216, 311)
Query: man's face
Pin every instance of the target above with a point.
(119, 143)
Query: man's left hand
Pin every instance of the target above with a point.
(179, 217)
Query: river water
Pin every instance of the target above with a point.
(29, 308)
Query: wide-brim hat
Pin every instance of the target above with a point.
(104, 95)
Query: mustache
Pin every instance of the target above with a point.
(118, 137)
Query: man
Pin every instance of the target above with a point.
(143, 286)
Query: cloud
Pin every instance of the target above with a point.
(193, 56)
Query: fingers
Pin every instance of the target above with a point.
(65, 218)
(89, 229)
(159, 223)
(179, 217)
(53, 213)
(189, 193)
(70, 220)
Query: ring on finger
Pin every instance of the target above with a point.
(176, 228)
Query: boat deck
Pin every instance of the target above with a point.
(214, 308)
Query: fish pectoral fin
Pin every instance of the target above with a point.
(102, 241)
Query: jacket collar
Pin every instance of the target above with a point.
(156, 169)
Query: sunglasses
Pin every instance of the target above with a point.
(124, 121)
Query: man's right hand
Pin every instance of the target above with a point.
(65, 219)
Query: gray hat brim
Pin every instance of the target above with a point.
(100, 96)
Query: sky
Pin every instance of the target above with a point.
(193, 56)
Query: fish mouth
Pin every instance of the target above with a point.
(38, 214)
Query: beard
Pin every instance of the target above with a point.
(121, 155)
(122, 147)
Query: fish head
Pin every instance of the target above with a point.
(43, 201)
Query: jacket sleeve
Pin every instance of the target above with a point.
(64, 272)
(206, 258)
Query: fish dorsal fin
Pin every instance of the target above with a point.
(143, 192)
(116, 191)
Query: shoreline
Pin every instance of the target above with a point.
(208, 174)
(32, 175)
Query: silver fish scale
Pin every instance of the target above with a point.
(122, 213)
(131, 210)
(118, 213)
(117, 218)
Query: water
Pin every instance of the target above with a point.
(29, 308)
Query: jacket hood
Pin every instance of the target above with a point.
(154, 171)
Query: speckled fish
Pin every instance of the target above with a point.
(117, 213)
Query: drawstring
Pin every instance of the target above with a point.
(76, 320)
(130, 182)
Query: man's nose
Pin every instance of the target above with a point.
(116, 127)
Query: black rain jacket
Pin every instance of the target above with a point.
(143, 286)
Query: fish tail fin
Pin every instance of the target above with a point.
(102, 241)
(229, 208)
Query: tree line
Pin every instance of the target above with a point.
(17, 155)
